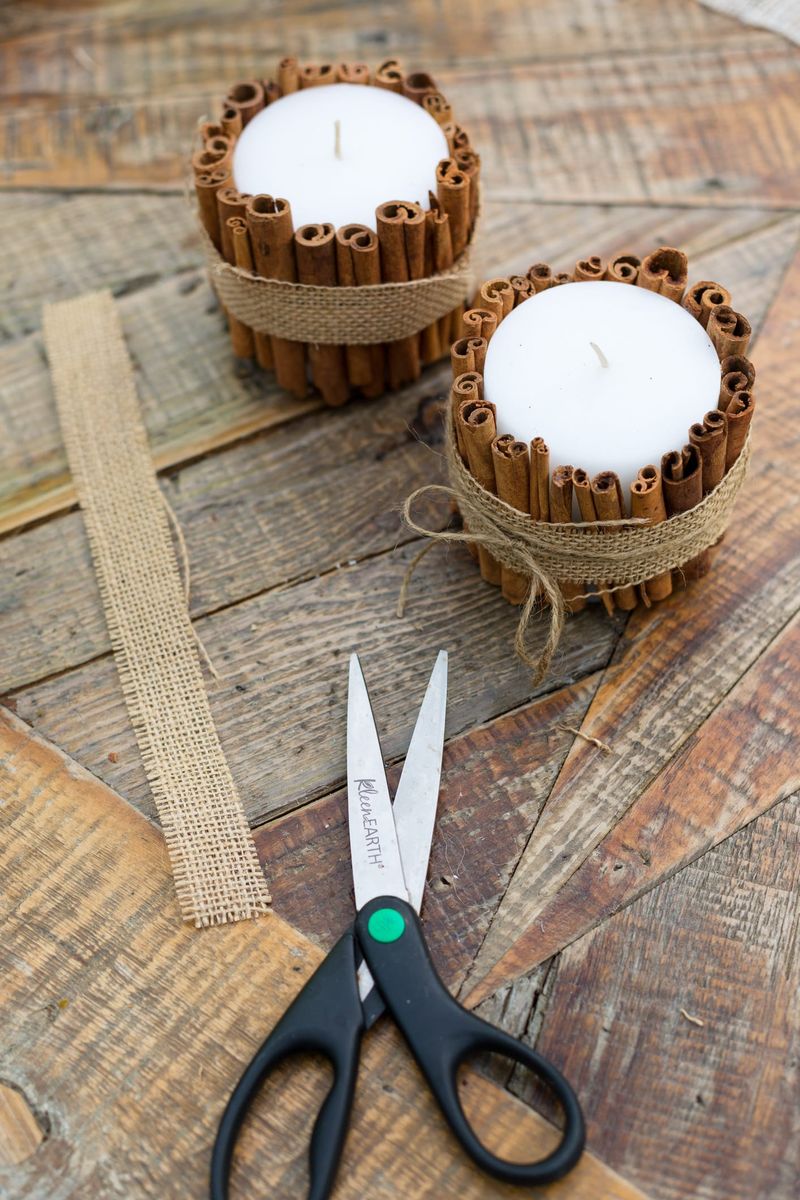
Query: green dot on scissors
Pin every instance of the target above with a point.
(386, 925)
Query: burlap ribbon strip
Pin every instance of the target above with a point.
(217, 874)
(626, 551)
(337, 316)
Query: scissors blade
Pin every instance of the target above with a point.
(374, 852)
(417, 794)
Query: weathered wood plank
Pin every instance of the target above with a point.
(279, 705)
(675, 664)
(494, 782)
(159, 1016)
(125, 50)
(738, 764)
(272, 518)
(722, 128)
(707, 1111)
(193, 395)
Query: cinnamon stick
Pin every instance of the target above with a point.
(587, 269)
(317, 75)
(541, 276)
(248, 97)
(561, 513)
(390, 75)
(352, 72)
(453, 191)
(512, 474)
(418, 85)
(204, 161)
(357, 264)
(682, 483)
(438, 107)
(738, 416)
(710, 437)
(438, 257)
(269, 221)
(479, 322)
(231, 204)
(206, 186)
(496, 296)
(209, 130)
(703, 297)
(540, 480)
(231, 120)
(401, 235)
(582, 485)
(738, 375)
(647, 501)
(462, 355)
(561, 277)
(607, 496)
(729, 331)
(665, 271)
(316, 264)
(457, 138)
(243, 257)
(477, 422)
(523, 288)
(624, 268)
(469, 163)
(288, 75)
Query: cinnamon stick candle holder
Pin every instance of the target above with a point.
(349, 309)
(627, 531)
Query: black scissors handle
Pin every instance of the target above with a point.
(442, 1036)
(326, 1018)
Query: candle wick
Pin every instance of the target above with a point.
(337, 145)
(599, 353)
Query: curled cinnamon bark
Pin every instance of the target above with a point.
(729, 331)
(479, 322)
(624, 268)
(587, 269)
(288, 75)
(316, 264)
(561, 513)
(541, 276)
(390, 75)
(205, 161)
(243, 256)
(607, 496)
(352, 72)
(230, 203)
(231, 120)
(357, 264)
(242, 337)
(582, 485)
(665, 271)
(738, 375)
(540, 480)
(465, 387)
(703, 297)
(206, 186)
(418, 85)
(496, 296)
(682, 483)
(710, 436)
(523, 288)
(469, 163)
(647, 500)
(401, 234)
(561, 277)
(457, 137)
(317, 75)
(269, 221)
(436, 106)
(512, 474)
(453, 191)
(209, 130)
(248, 97)
(738, 416)
(438, 257)
(477, 421)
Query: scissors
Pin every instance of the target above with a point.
(382, 962)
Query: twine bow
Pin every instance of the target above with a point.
(627, 551)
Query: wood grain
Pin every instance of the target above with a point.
(707, 1111)
(279, 705)
(20, 1134)
(658, 690)
(159, 1017)
(195, 399)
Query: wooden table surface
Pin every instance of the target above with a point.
(630, 910)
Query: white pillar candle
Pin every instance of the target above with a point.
(338, 152)
(609, 374)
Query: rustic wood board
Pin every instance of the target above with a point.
(602, 128)
(115, 1013)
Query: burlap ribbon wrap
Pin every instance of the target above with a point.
(628, 551)
(337, 316)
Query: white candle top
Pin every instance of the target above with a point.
(545, 372)
(387, 148)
